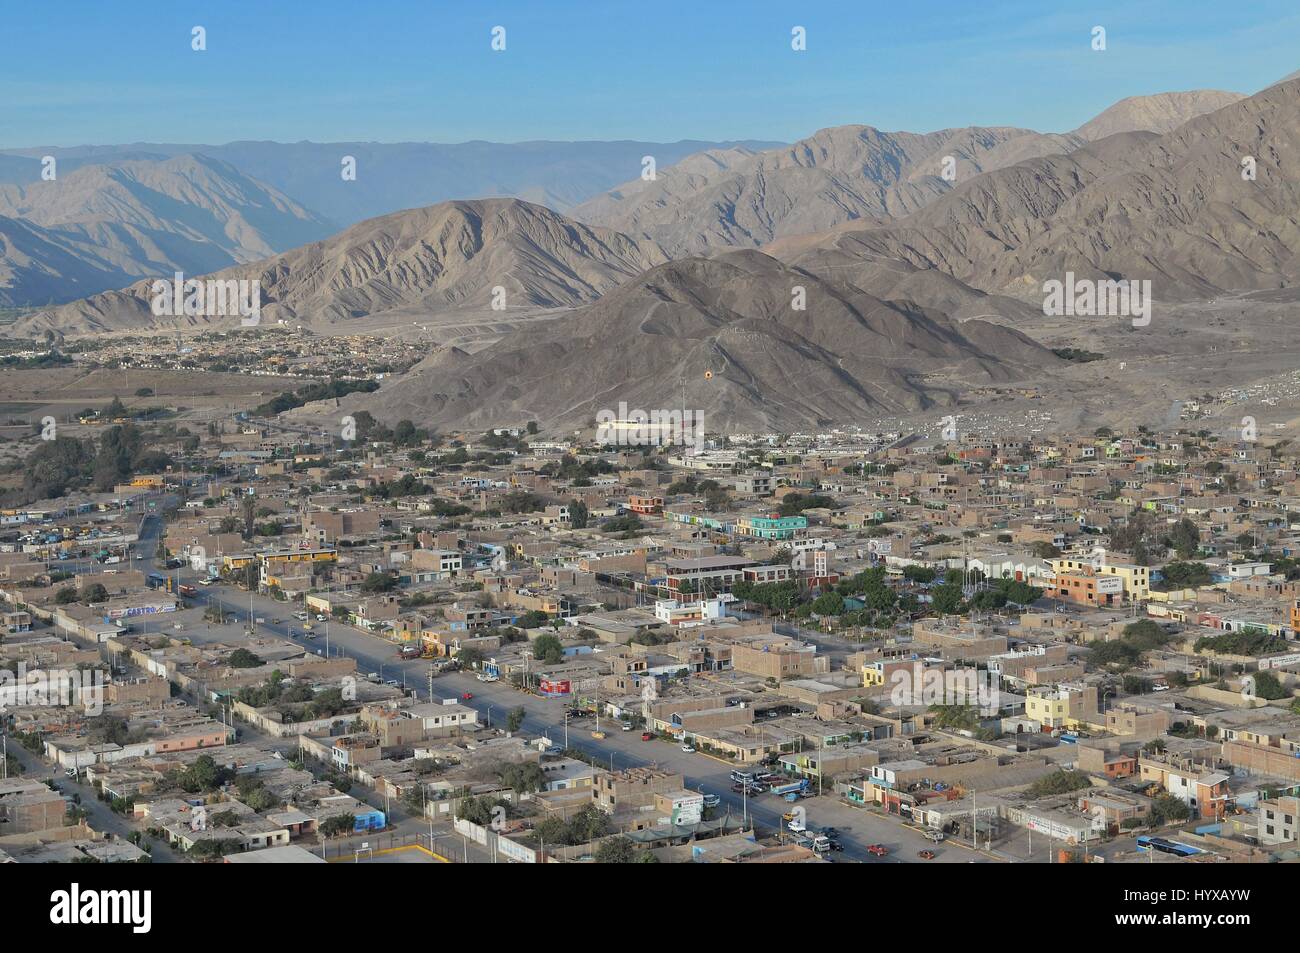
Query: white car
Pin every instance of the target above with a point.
(797, 826)
(688, 747)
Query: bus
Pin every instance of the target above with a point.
(1166, 846)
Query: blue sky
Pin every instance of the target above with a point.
(90, 71)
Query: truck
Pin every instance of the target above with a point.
(188, 590)
(821, 844)
(791, 787)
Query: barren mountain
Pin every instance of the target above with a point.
(426, 260)
(118, 223)
(721, 336)
(837, 175)
(1176, 209)
(401, 175)
(41, 266)
(1161, 113)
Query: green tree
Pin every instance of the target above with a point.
(548, 648)
(615, 850)
(515, 718)
(947, 599)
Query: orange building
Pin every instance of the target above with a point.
(1087, 588)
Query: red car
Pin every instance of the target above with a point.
(647, 736)
(880, 850)
(467, 696)
(926, 855)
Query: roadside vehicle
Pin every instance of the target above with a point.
(786, 788)
(935, 837)
(821, 844)
(626, 726)
(374, 677)
(836, 845)
(712, 800)
(302, 616)
(798, 825)
(647, 736)
(409, 652)
(688, 747)
(789, 816)
(879, 850)
(925, 854)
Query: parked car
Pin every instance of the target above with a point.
(712, 800)
(688, 747)
(647, 736)
(626, 726)
(797, 825)
(934, 836)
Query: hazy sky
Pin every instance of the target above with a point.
(89, 71)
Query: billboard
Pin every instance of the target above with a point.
(554, 687)
(1112, 585)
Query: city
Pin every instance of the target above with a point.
(763, 434)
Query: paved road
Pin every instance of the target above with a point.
(857, 827)
(99, 815)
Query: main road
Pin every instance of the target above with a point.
(857, 828)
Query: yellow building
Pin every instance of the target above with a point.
(1063, 706)
(1136, 579)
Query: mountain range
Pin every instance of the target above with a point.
(920, 256)
(422, 260)
(96, 227)
(720, 336)
(1176, 209)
